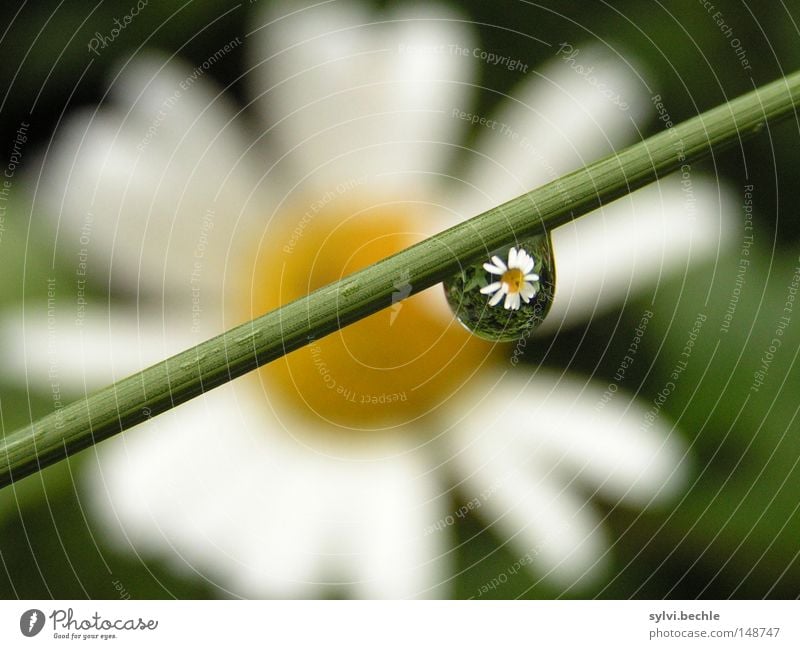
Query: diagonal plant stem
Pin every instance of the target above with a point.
(244, 348)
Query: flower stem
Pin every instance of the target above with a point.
(244, 348)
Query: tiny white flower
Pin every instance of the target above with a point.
(516, 279)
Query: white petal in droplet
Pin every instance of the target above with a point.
(512, 257)
(491, 288)
(497, 297)
(526, 265)
(527, 292)
(494, 270)
(499, 263)
(512, 301)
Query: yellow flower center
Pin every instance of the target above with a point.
(389, 368)
(514, 279)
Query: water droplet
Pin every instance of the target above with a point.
(503, 298)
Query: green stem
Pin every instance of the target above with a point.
(214, 362)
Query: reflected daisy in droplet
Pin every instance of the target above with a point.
(333, 467)
(516, 279)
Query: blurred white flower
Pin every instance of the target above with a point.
(335, 465)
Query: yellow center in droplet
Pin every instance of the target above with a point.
(513, 279)
(390, 368)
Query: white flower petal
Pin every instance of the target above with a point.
(527, 292)
(356, 96)
(499, 263)
(497, 296)
(217, 488)
(395, 552)
(198, 489)
(150, 191)
(548, 522)
(562, 120)
(532, 277)
(512, 257)
(605, 443)
(494, 270)
(512, 301)
(491, 288)
(551, 529)
(527, 266)
(80, 351)
(625, 249)
(527, 444)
